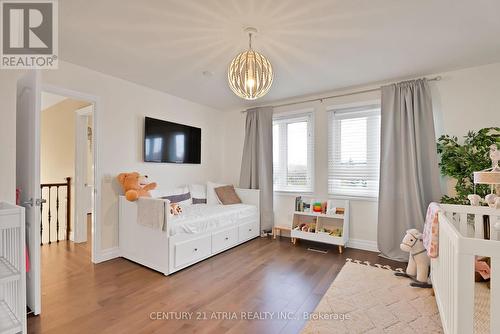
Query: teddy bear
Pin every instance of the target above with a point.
(134, 185)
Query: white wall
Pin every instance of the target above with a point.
(468, 99)
(57, 140)
(8, 134)
(463, 100)
(121, 110)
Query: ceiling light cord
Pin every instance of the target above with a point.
(250, 40)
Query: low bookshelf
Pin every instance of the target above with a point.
(331, 226)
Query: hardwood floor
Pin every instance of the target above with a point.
(119, 296)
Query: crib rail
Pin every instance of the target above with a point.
(461, 233)
(474, 221)
(12, 269)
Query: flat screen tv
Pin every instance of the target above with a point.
(171, 142)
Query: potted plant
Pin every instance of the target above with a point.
(460, 161)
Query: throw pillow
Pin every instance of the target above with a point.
(182, 199)
(212, 198)
(198, 193)
(227, 195)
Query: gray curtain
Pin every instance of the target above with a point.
(409, 174)
(257, 161)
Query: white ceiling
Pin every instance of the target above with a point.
(314, 46)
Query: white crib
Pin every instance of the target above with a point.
(461, 238)
(12, 269)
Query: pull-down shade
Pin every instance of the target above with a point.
(354, 151)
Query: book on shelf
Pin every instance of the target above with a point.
(298, 200)
(301, 205)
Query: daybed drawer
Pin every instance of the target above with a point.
(192, 250)
(248, 230)
(224, 239)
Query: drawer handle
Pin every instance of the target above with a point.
(227, 238)
(249, 230)
(196, 249)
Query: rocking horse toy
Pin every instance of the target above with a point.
(419, 262)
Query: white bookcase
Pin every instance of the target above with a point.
(12, 269)
(331, 222)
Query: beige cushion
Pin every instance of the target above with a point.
(227, 195)
(211, 195)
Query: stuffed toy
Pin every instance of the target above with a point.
(175, 209)
(134, 185)
(308, 227)
(419, 262)
(336, 233)
(482, 270)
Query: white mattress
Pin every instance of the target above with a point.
(199, 218)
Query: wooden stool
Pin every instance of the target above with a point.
(277, 231)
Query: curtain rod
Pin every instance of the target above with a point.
(334, 96)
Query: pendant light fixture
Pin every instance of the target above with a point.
(250, 74)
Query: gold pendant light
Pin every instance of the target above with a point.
(250, 74)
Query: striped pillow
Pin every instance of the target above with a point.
(182, 199)
(199, 200)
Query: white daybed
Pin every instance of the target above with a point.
(462, 304)
(202, 231)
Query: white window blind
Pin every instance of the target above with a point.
(293, 153)
(354, 151)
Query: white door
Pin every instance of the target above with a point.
(28, 176)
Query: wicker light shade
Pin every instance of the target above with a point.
(250, 74)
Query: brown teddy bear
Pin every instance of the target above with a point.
(134, 185)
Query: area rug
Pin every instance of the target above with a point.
(370, 299)
(481, 308)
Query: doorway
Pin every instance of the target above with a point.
(28, 181)
(66, 170)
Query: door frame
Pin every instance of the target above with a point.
(96, 219)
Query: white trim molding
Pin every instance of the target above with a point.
(368, 245)
(107, 254)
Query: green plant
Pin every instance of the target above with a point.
(460, 161)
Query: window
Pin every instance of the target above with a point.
(354, 151)
(293, 153)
